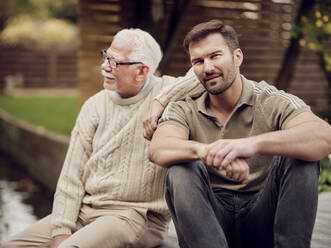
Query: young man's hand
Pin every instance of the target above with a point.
(238, 170)
(223, 152)
(229, 155)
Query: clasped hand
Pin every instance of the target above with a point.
(231, 155)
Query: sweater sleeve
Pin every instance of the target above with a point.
(70, 189)
(180, 88)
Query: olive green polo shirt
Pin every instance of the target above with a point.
(261, 108)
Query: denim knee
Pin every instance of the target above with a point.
(305, 170)
(183, 175)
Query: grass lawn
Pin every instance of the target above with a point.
(54, 113)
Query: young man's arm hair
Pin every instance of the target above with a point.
(170, 145)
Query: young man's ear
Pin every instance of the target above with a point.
(142, 72)
(238, 57)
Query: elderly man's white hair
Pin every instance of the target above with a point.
(144, 47)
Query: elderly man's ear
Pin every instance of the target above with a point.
(142, 72)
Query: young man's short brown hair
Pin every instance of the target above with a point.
(204, 29)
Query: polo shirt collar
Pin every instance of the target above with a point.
(246, 97)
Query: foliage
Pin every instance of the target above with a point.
(24, 29)
(41, 9)
(54, 113)
(38, 22)
(316, 29)
(325, 115)
(325, 176)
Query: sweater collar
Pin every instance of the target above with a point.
(117, 99)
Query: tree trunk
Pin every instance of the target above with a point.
(178, 12)
(286, 72)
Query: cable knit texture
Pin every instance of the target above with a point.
(107, 163)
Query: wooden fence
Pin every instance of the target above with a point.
(263, 26)
(40, 68)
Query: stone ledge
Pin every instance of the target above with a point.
(322, 230)
(38, 150)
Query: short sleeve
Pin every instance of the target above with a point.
(280, 107)
(175, 114)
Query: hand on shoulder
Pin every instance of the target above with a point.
(57, 240)
(150, 122)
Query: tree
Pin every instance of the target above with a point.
(291, 55)
(31, 22)
(316, 29)
(312, 29)
(41, 9)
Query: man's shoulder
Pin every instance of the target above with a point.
(187, 107)
(266, 92)
(189, 102)
(268, 98)
(262, 88)
(97, 96)
(96, 99)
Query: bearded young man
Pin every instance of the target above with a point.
(241, 157)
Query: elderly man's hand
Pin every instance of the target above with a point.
(150, 123)
(57, 240)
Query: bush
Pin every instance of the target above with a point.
(28, 31)
(325, 176)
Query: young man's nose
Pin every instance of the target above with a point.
(208, 66)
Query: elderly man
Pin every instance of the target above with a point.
(240, 156)
(109, 194)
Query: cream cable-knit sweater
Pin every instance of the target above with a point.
(106, 162)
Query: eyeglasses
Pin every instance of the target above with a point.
(113, 63)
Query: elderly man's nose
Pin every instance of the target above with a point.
(105, 65)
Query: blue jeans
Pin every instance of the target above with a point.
(281, 214)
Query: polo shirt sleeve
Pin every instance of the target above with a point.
(175, 114)
(280, 107)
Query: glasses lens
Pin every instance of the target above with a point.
(112, 63)
(104, 54)
(108, 59)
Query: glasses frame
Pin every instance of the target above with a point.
(105, 56)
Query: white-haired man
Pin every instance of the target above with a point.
(109, 194)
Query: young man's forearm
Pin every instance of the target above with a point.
(166, 151)
(310, 141)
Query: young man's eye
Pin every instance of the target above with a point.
(197, 62)
(214, 56)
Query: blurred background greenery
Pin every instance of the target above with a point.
(42, 22)
(57, 114)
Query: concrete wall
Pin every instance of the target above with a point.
(40, 151)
